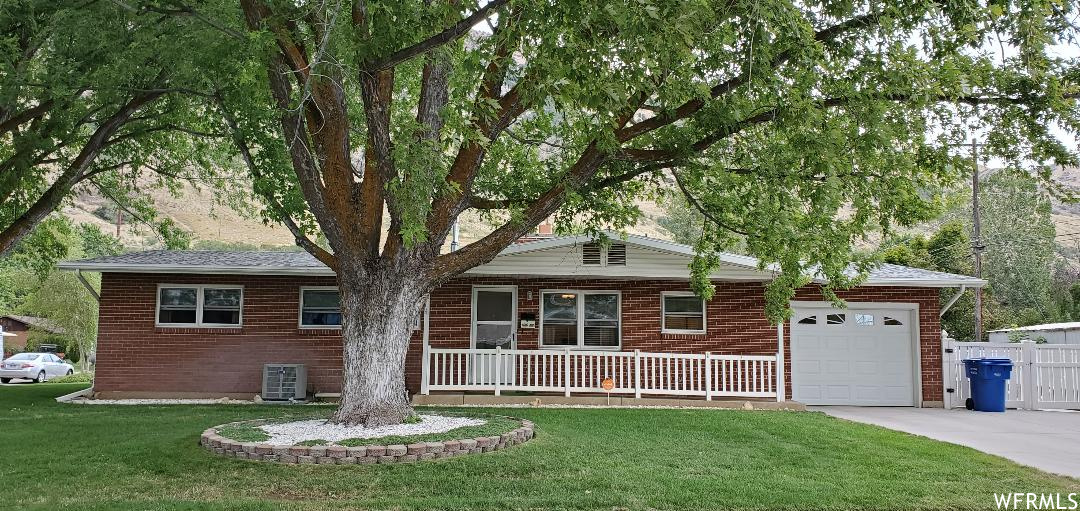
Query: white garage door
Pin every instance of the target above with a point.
(852, 357)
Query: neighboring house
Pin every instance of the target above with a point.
(1053, 333)
(21, 326)
(560, 314)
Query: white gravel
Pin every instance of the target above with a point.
(289, 433)
(222, 401)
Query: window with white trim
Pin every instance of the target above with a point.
(580, 319)
(682, 313)
(320, 307)
(200, 305)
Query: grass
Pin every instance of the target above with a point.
(147, 457)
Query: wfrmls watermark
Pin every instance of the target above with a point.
(1037, 500)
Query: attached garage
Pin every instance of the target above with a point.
(863, 355)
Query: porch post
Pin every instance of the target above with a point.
(708, 376)
(425, 363)
(781, 390)
(498, 370)
(637, 374)
(566, 370)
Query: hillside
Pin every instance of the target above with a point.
(196, 211)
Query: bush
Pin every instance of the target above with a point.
(74, 378)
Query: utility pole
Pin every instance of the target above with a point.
(976, 238)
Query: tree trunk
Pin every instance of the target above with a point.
(378, 308)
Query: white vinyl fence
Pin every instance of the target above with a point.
(573, 371)
(1044, 376)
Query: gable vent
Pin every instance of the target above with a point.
(284, 382)
(616, 254)
(590, 254)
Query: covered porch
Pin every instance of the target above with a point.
(634, 374)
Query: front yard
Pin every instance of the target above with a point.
(122, 457)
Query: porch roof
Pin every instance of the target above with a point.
(651, 258)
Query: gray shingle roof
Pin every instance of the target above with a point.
(40, 323)
(887, 271)
(219, 260)
(302, 263)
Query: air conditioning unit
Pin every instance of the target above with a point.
(284, 382)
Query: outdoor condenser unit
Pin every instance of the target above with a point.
(284, 382)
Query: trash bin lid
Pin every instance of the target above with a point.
(997, 361)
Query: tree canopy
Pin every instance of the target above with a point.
(108, 96)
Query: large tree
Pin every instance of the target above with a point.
(797, 126)
(103, 96)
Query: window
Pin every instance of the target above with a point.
(200, 305)
(864, 319)
(835, 319)
(683, 313)
(580, 319)
(887, 321)
(593, 254)
(809, 320)
(320, 307)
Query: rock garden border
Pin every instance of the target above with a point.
(360, 455)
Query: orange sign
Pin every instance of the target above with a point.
(608, 384)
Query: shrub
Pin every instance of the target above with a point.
(74, 378)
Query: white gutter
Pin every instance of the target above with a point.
(952, 301)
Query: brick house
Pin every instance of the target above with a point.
(553, 315)
(19, 329)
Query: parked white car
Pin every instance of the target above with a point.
(34, 366)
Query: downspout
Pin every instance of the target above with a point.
(454, 241)
(89, 288)
(97, 298)
(952, 301)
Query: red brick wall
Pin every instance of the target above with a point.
(18, 341)
(134, 355)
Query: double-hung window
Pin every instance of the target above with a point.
(190, 305)
(320, 307)
(683, 313)
(580, 319)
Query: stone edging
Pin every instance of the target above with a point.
(364, 454)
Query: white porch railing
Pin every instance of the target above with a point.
(634, 373)
(1043, 376)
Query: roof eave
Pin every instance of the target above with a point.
(168, 268)
(926, 282)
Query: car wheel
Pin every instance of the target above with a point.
(40, 377)
(5, 380)
(70, 372)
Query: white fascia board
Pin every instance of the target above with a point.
(973, 283)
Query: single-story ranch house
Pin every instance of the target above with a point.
(558, 315)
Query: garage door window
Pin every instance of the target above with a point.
(835, 319)
(864, 319)
(809, 320)
(887, 321)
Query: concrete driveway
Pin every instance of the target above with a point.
(1047, 440)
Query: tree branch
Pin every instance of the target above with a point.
(457, 30)
(693, 106)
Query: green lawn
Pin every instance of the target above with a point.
(112, 457)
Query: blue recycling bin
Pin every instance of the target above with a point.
(988, 377)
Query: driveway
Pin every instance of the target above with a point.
(1047, 440)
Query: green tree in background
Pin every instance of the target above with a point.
(33, 286)
(1018, 260)
(681, 219)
